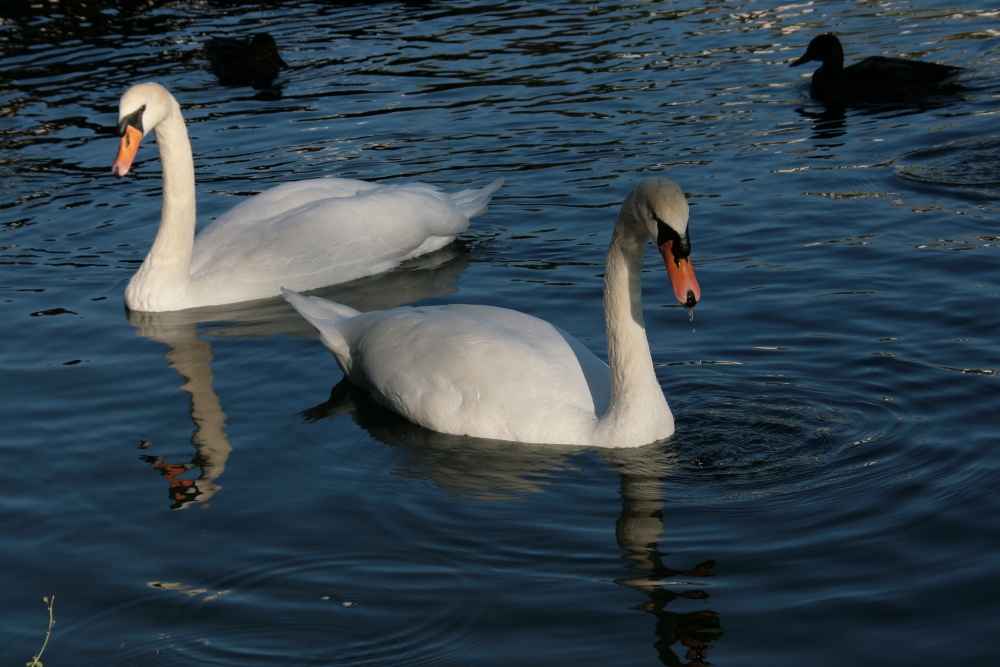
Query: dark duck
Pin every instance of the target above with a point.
(254, 61)
(878, 78)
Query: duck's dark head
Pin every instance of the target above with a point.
(266, 44)
(825, 49)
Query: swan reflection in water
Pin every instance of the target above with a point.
(499, 470)
(431, 275)
(643, 473)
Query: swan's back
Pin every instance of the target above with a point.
(475, 370)
(283, 198)
(318, 232)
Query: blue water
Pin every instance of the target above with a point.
(829, 497)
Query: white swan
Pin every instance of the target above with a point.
(304, 235)
(496, 373)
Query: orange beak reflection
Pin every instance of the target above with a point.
(126, 151)
(681, 276)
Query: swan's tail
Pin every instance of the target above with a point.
(474, 202)
(327, 317)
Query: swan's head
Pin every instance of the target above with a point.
(142, 107)
(826, 49)
(662, 209)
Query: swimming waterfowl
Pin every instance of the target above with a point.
(253, 61)
(875, 78)
(496, 373)
(304, 234)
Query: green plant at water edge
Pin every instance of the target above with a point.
(35, 662)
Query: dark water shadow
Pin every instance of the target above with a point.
(829, 115)
(829, 121)
(495, 471)
(432, 275)
(916, 100)
(972, 165)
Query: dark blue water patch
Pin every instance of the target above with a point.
(970, 164)
(792, 437)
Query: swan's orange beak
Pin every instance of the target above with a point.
(126, 151)
(681, 276)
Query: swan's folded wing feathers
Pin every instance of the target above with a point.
(328, 240)
(420, 395)
(300, 242)
(421, 361)
(321, 232)
(286, 197)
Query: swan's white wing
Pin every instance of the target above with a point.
(282, 198)
(595, 371)
(477, 370)
(323, 241)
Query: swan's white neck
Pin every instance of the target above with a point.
(164, 277)
(638, 412)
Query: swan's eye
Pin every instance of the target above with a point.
(134, 119)
(664, 232)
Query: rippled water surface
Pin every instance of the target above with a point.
(200, 488)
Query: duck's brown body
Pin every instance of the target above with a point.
(254, 62)
(878, 78)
